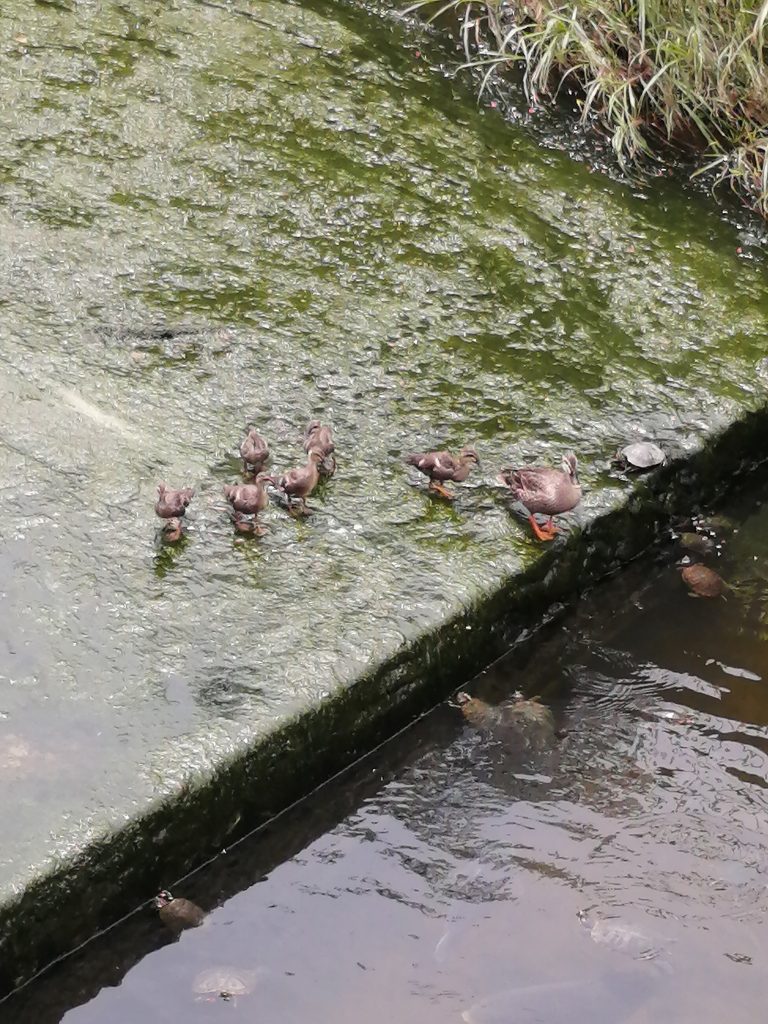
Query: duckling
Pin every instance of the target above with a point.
(248, 500)
(545, 490)
(442, 466)
(177, 913)
(254, 452)
(299, 483)
(172, 505)
(319, 438)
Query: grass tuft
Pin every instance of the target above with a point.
(690, 74)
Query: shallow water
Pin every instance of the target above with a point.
(209, 215)
(617, 875)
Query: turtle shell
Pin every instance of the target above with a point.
(642, 455)
(702, 581)
(526, 717)
(622, 938)
(224, 982)
(528, 712)
(178, 913)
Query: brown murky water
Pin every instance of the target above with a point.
(617, 873)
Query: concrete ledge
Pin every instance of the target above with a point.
(109, 878)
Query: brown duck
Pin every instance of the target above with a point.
(177, 913)
(299, 483)
(544, 490)
(442, 466)
(254, 451)
(248, 500)
(172, 505)
(319, 438)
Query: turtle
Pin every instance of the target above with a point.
(697, 543)
(620, 937)
(702, 581)
(639, 456)
(529, 715)
(224, 982)
(178, 913)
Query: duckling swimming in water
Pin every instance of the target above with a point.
(171, 505)
(248, 500)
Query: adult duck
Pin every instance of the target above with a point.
(545, 491)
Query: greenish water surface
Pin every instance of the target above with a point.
(209, 216)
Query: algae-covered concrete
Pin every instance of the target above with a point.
(268, 213)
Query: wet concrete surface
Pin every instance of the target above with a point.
(208, 219)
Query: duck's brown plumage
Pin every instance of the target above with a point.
(300, 482)
(319, 438)
(544, 490)
(172, 504)
(254, 450)
(442, 466)
(248, 499)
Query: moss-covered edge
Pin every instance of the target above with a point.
(109, 878)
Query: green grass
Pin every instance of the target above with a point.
(690, 74)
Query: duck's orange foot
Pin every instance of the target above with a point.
(439, 489)
(548, 532)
